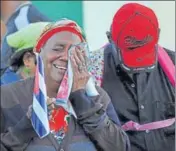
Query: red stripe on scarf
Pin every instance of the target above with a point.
(36, 85)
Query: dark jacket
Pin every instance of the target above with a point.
(142, 98)
(92, 131)
(23, 16)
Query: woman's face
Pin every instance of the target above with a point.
(29, 62)
(55, 54)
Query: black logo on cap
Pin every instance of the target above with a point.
(133, 43)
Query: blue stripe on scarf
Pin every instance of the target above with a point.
(39, 127)
(40, 66)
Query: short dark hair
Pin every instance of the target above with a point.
(16, 61)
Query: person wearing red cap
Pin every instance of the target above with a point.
(128, 69)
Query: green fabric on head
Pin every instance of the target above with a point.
(27, 36)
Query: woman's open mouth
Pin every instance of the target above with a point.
(59, 67)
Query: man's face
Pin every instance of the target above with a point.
(55, 54)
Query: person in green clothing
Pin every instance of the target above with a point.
(22, 62)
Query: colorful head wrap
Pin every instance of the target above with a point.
(53, 28)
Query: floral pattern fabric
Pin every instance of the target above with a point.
(97, 65)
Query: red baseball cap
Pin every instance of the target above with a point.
(135, 31)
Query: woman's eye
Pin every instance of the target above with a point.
(59, 48)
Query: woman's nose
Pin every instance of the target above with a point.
(64, 56)
(66, 52)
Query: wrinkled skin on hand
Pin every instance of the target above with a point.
(80, 71)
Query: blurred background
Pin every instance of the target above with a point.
(96, 16)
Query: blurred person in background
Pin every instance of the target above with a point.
(88, 126)
(3, 30)
(22, 62)
(130, 72)
(16, 15)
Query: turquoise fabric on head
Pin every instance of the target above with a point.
(26, 37)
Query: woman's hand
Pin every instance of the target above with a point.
(50, 104)
(80, 72)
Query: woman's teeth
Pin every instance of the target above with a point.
(59, 67)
